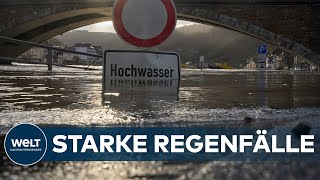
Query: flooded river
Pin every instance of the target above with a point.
(75, 97)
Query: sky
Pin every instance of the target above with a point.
(107, 26)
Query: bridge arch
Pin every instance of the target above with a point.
(50, 25)
(45, 26)
(211, 18)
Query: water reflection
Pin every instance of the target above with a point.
(25, 90)
(261, 84)
(275, 89)
(146, 98)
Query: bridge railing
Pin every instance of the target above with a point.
(49, 48)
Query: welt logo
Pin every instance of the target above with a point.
(25, 143)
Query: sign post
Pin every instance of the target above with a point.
(201, 62)
(262, 51)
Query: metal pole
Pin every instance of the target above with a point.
(49, 59)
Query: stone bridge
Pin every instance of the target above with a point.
(293, 25)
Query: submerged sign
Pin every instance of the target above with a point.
(141, 65)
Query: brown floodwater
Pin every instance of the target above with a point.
(73, 97)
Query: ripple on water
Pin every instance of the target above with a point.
(73, 97)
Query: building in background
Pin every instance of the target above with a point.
(39, 55)
(86, 48)
(35, 55)
(251, 64)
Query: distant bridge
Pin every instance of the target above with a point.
(293, 25)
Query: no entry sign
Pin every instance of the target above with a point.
(144, 23)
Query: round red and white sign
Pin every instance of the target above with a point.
(144, 23)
